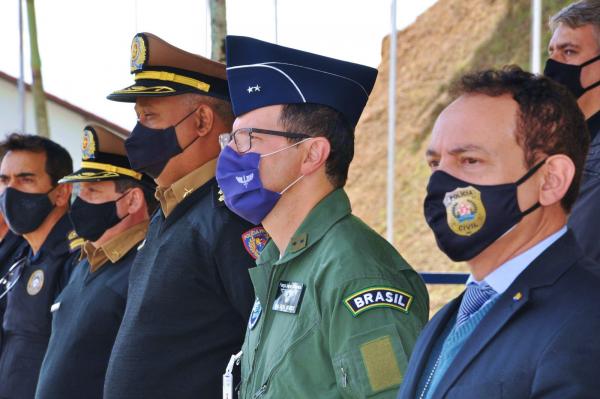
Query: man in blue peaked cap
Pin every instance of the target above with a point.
(337, 309)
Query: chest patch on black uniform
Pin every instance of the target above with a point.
(289, 296)
(377, 297)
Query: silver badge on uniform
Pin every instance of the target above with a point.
(255, 314)
(289, 296)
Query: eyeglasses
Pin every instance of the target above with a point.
(243, 137)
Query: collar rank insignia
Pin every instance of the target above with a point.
(289, 296)
(255, 314)
(255, 240)
(88, 145)
(378, 297)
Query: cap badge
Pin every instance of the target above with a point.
(138, 53)
(464, 210)
(88, 145)
(252, 89)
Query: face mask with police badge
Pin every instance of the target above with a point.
(90, 221)
(25, 212)
(467, 218)
(239, 179)
(149, 150)
(570, 75)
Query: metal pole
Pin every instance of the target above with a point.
(276, 26)
(536, 35)
(391, 129)
(21, 82)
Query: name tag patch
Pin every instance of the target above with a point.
(377, 297)
(289, 296)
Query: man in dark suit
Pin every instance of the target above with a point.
(507, 157)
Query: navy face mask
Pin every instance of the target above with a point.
(569, 75)
(467, 218)
(149, 150)
(24, 212)
(90, 221)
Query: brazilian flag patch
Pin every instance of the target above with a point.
(378, 297)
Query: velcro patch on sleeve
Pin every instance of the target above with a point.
(377, 297)
(380, 361)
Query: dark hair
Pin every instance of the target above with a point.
(125, 183)
(318, 120)
(58, 160)
(549, 121)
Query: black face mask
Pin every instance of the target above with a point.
(467, 218)
(24, 212)
(149, 150)
(569, 75)
(90, 221)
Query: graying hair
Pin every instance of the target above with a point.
(575, 15)
(221, 107)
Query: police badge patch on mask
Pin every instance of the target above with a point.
(289, 296)
(465, 211)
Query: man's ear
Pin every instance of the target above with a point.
(62, 194)
(135, 200)
(204, 119)
(559, 171)
(317, 153)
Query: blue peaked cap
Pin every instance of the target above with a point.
(262, 74)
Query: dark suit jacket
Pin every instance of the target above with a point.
(543, 343)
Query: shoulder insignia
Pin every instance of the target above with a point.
(75, 242)
(377, 297)
(255, 240)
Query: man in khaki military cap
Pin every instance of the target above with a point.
(190, 294)
(112, 213)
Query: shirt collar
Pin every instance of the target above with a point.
(170, 197)
(115, 248)
(501, 278)
(320, 219)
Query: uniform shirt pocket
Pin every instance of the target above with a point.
(370, 363)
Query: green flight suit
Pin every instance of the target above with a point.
(349, 312)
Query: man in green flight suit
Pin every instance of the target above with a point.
(337, 309)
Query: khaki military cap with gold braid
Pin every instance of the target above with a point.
(161, 69)
(103, 157)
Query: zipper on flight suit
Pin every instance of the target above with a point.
(263, 388)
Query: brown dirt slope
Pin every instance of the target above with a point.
(452, 37)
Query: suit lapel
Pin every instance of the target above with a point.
(545, 270)
(425, 344)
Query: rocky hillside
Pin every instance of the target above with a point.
(452, 37)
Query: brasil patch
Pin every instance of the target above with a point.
(378, 297)
(255, 240)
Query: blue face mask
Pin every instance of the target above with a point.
(149, 150)
(239, 179)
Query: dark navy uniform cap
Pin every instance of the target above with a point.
(103, 157)
(161, 69)
(262, 74)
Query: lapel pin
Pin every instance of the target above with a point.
(517, 296)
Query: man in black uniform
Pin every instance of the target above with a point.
(12, 248)
(190, 293)
(35, 206)
(112, 214)
(574, 51)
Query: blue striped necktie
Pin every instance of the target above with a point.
(475, 296)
